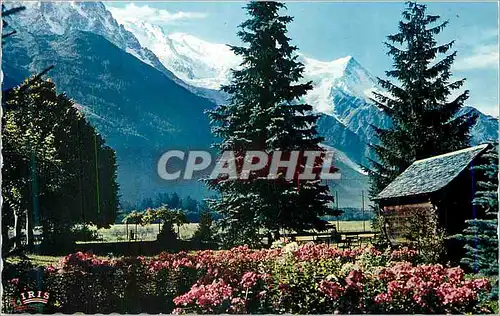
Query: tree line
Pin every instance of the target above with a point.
(192, 208)
(166, 218)
(352, 214)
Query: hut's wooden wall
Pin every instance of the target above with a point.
(398, 217)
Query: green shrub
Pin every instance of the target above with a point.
(84, 233)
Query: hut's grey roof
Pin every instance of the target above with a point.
(430, 174)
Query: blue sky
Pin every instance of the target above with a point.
(330, 30)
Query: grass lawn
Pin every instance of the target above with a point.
(37, 260)
(118, 232)
(353, 226)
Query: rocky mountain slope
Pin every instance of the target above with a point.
(139, 110)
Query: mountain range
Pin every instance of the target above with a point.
(342, 87)
(146, 91)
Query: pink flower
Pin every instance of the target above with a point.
(383, 298)
(455, 274)
(50, 268)
(481, 284)
(353, 280)
(331, 289)
(238, 305)
(14, 281)
(355, 276)
(403, 254)
(249, 279)
(206, 296)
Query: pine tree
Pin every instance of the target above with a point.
(265, 114)
(424, 119)
(481, 234)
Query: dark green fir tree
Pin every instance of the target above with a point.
(481, 234)
(418, 101)
(265, 113)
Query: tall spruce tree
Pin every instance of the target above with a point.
(481, 234)
(423, 114)
(265, 114)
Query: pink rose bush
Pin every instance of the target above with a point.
(428, 288)
(221, 297)
(292, 279)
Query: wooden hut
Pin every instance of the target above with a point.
(444, 184)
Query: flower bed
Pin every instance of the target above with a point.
(292, 279)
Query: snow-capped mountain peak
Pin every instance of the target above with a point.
(57, 18)
(344, 72)
(193, 60)
(341, 86)
(344, 75)
(42, 17)
(208, 65)
(336, 67)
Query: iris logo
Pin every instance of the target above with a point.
(34, 297)
(31, 301)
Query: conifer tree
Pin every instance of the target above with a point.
(481, 233)
(423, 113)
(265, 113)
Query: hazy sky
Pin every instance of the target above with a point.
(330, 30)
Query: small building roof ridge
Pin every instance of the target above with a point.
(431, 174)
(456, 152)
